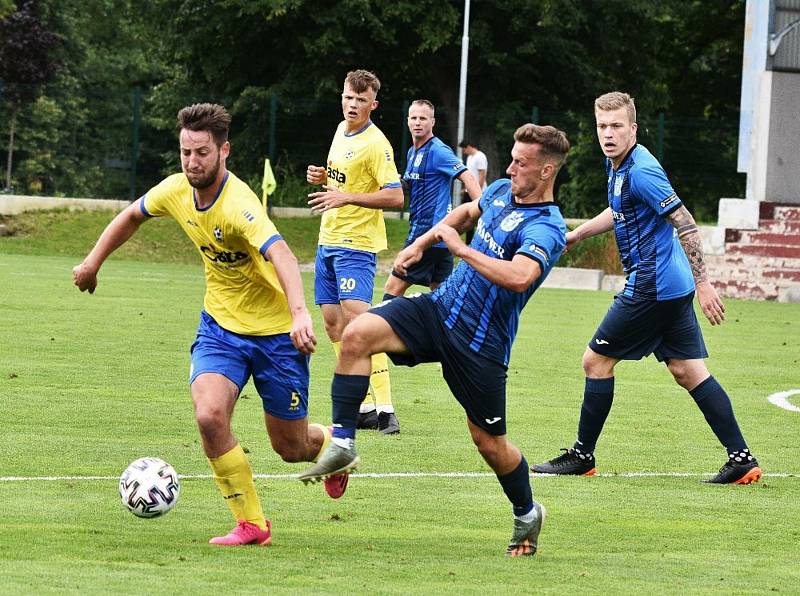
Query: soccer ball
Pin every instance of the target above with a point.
(149, 487)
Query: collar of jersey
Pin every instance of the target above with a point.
(532, 205)
(219, 192)
(360, 130)
(626, 158)
(428, 142)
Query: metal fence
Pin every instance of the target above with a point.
(65, 148)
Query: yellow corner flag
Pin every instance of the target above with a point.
(269, 184)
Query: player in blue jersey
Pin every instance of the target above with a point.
(662, 253)
(467, 324)
(431, 167)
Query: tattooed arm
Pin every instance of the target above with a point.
(692, 243)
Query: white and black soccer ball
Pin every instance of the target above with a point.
(149, 487)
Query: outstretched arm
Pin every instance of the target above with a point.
(692, 243)
(121, 228)
(285, 263)
(599, 224)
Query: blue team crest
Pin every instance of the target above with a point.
(618, 184)
(511, 221)
(418, 159)
(218, 233)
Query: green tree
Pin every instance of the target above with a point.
(26, 64)
(6, 8)
(682, 59)
(557, 56)
(678, 57)
(78, 137)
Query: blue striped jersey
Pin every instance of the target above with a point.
(479, 312)
(640, 197)
(429, 172)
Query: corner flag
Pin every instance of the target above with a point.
(268, 185)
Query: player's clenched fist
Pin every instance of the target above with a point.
(448, 235)
(84, 277)
(316, 175)
(405, 258)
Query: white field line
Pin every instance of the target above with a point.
(149, 277)
(389, 475)
(782, 400)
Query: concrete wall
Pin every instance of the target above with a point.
(305, 212)
(573, 278)
(12, 204)
(774, 152)
(783, 152)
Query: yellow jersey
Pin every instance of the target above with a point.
(243, 293)
(359, 162)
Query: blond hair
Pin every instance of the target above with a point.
(424, 102)
(614, 101)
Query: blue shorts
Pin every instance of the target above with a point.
(633, 329)
(280, 372)
(479, 384)
(344, 274)
(435, 266)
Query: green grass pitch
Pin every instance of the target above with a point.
(89, 383)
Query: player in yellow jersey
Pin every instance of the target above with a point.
(254, 322)
(360, 180)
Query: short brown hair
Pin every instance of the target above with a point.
(361, 80)
(424, 102)
(614, 101)
(554, 143)
(209, 117)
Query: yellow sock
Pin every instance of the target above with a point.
(369, 399)
(379, 382)
(326, 438)
(234, 478)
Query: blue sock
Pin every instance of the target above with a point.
(716, 406)
(388, 297)
(598, 395)
(517, 486)
(347, 393)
